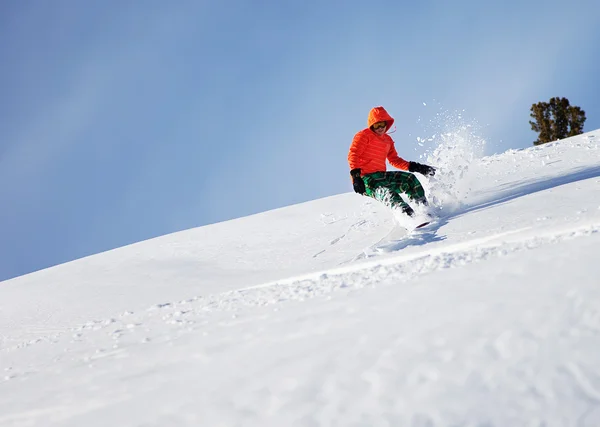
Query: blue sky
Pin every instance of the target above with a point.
(125, 120)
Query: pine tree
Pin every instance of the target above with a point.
(576, 120)
(556, 119)
(541, 113)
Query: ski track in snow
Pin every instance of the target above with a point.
(100, 344)
(397, 269)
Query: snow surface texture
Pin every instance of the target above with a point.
(329, 313)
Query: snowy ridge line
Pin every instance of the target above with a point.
(383, 262)
(188, 316)
(399, 268)
(584, 230)
(323, 283)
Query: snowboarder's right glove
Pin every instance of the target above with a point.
(422, 169)
(357, 181)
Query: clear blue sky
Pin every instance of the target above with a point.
(124, 120)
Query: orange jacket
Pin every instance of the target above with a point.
(369, 151)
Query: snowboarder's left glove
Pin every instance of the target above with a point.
(357, 181)
(422, 169)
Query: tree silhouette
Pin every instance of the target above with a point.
(556, 119)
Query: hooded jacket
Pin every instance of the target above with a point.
(369, 151)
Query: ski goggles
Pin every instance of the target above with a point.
(379, 125)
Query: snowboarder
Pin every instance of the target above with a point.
(367, 158)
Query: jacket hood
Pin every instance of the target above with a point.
(378, 114)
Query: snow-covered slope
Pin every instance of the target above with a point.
(327, 313)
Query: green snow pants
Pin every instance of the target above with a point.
(387, 187)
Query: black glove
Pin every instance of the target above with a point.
(357, 181)
(422, 169)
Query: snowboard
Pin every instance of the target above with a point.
(417, 223)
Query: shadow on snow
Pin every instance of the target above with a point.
(530, 188)
(425, 235)
(417, 237)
